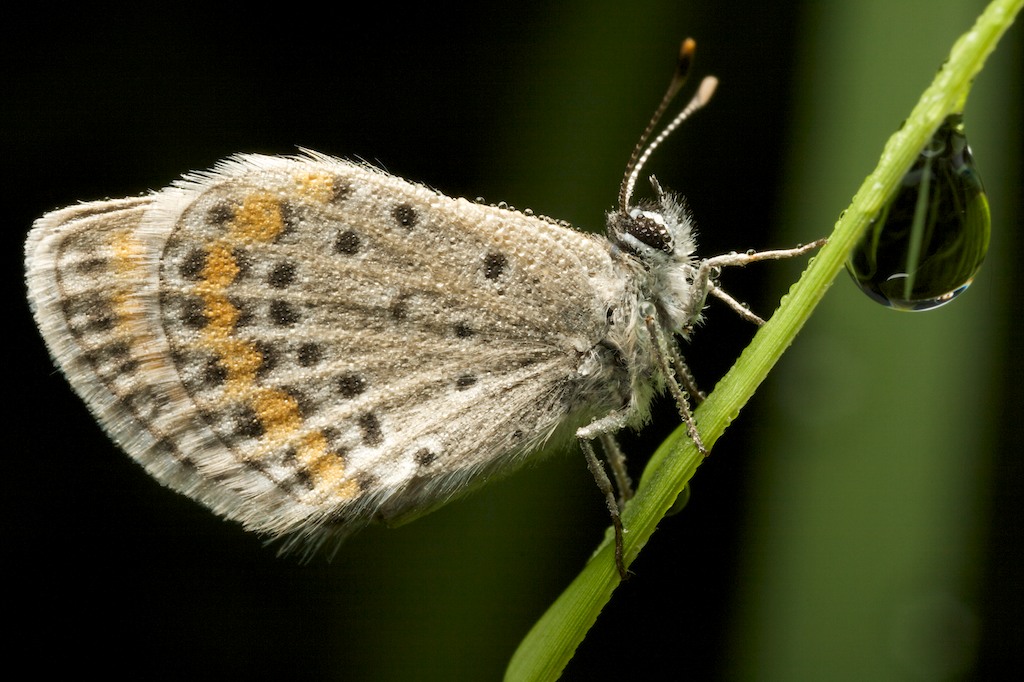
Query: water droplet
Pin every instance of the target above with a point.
(926, 245)
(681, 500)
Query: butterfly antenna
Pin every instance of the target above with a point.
(642, 151)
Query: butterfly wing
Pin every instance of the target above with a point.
(309, 343)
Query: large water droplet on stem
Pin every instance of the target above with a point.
(926, 245)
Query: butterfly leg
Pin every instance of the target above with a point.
(603, 429)
(662, 355)
(702, 284)
(617, 461)
(684, 374)
(740, 309)
(605, 485)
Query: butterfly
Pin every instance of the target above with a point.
(306, 345)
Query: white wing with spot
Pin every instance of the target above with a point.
(306, 344)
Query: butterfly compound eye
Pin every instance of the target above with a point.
(651, 232)
(639, 230)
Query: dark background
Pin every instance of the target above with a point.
(534, 105)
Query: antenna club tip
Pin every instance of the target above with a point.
(686, 51)
(707, 88)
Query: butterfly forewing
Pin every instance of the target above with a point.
(323, 343)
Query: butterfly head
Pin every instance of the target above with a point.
(660, 235)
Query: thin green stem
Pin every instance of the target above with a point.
(550, 644)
